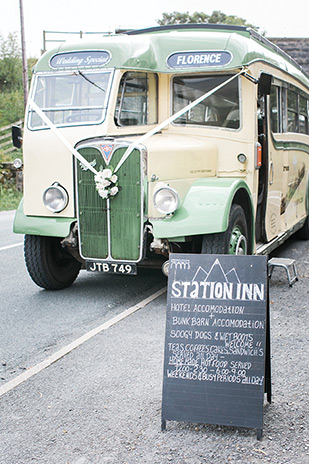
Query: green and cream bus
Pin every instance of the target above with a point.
(187, 138)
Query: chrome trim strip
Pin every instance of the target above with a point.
(117, 145)
(108, 220)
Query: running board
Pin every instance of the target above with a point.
(267, 248)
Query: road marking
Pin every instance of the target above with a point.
(76, 343)
(11, 246)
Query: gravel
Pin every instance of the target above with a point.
(102, 403)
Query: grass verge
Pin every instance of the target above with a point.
(9, 198)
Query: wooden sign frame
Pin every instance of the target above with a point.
(217, 341)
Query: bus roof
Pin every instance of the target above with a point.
(183, 47)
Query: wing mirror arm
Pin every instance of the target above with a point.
(263, 83)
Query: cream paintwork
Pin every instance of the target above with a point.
(220, 146)
(178, 156)
(292, 163)
(169, 163)
(277, 222)
(48, 161)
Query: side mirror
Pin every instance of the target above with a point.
(264, 85)
(17, 136)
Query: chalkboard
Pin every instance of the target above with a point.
(215, 343)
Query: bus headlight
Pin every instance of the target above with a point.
(166, 200)
(55, 198)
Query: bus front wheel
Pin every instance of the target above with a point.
(234, 240)
(49, 265)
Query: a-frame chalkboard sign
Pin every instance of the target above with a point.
(217, 344)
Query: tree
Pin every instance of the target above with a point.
(10, 64)
(217, 17)
(11, 79)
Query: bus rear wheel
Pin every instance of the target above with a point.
(234, 240)
(49, 265)
(303, 233)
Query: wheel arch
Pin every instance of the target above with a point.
(41, 225)
(206, 209)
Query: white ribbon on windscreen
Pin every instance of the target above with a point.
(140, 140)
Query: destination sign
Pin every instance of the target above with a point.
(83, 59)
(200, 59)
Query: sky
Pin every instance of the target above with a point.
(277, 19)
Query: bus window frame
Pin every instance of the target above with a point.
(152, 101)
(278, 89)
(69, 72)
(208, 126)
(284, 88)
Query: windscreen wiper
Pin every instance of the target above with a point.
(88, 80)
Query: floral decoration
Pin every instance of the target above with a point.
(106, 183)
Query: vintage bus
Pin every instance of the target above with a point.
(187, 138)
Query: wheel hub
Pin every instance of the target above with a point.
(238, 243)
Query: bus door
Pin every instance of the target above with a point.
(260, 233)
(277, 169)
(269, 220)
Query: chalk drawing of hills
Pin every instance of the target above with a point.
(216, 274)
(232, 276)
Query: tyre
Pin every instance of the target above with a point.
(49, 265)
(234, 240)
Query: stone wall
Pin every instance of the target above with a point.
(10, 176)
(297, 48)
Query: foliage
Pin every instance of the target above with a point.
(10, 64)
(11, 80)
(7, 178)
(11, 107)
(217, 17)
(9, 195)
(9, 198)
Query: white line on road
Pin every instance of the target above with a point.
(11, 246)
(79, 341)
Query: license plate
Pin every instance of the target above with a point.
(112, 268)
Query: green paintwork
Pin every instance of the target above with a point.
(39, 225)
(289, 145)
(205, 209)
(125, 208)
(126, 214)
(92, 212)
(149, 49)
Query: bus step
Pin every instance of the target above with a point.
(288, 264)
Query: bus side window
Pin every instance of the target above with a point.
(303, 115)
(292, 111)
(219, 110)
(295, 108)
(275, 115)
(137, 99)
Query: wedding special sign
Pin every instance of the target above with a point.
(215, 342)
